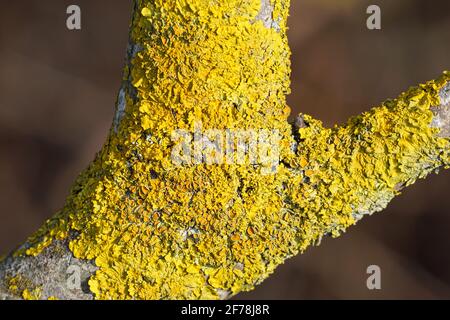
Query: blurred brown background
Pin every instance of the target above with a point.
(57, 93)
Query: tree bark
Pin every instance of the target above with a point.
(143, 223)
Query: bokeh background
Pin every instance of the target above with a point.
(57, 94)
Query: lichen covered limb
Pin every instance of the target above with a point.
(156, 229)
(159, 230)
(344, 173)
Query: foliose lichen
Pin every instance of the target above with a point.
(161, 231)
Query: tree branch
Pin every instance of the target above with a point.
(138, 225)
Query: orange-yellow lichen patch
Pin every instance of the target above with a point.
(157, 230)
(161, 231)
(23, 287)
(355, 169)
(32, 294)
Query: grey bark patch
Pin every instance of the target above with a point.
(441, 113)
(300, 122)
(48, 273)
(224, 294)
(266, 16)
(127, 88)
(445, 94)
(120, 107)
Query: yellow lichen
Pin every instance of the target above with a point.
(14, 284)
(23, 287)
(32, 294)
(358, 168)
(161, 231)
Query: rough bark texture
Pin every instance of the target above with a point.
(138, 226)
